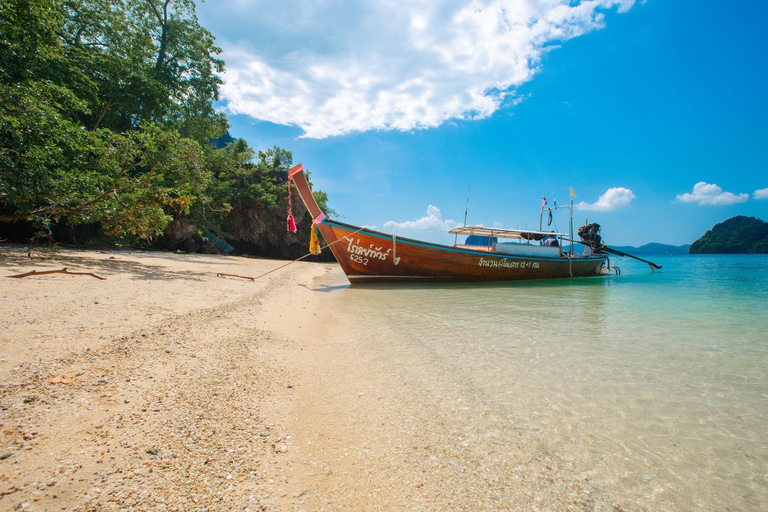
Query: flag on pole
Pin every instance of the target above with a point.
(543, 202)
(573, 194)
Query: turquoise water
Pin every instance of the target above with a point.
(649, 388)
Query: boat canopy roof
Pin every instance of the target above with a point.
(517, 234)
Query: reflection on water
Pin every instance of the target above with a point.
(653, 385)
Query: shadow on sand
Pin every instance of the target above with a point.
(120, 263)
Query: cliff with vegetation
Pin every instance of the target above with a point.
(109, 135)
(737, 235)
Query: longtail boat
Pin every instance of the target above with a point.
(488, 254)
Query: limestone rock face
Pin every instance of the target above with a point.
(180, 234)
(252, 230)
(255, 230)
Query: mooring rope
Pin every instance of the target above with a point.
(306, 255)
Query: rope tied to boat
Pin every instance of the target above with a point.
(305, 256)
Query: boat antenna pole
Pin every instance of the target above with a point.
(466, 209)
(570, 223)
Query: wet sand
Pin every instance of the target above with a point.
(165, 387)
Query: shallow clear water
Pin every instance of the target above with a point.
(651, 386)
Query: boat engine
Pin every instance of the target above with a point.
(590, 235)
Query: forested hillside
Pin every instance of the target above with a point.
(737, 235)
(107, 128)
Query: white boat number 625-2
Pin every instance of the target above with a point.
(362, 255)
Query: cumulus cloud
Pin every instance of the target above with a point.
(613, 199)
(333, 68)
(433, 220)
(710, 194)
(761, 193)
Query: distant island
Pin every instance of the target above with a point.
(737, 235)
(653, 248)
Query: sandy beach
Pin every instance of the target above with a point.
(150, 389)
(165, 387)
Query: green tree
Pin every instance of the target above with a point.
(186, 63)
(52, 169)
(107, 118)
(145, 60)
(224, 166)
(260, 177)
(29, 38)
(96, 95)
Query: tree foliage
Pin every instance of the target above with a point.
(737, 235)
(88, 131)
(107, 118)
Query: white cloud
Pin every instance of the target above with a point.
(433, 220)
(333, 67)
(710, 194)
(613, 199)
(761, 193)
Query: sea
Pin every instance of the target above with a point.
(649, 387)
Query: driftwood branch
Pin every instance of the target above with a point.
(65, 270)
(235, 275)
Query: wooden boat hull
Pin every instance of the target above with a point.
(368, 256)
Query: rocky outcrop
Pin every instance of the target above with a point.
(255, 230)
(180, 234)
(250, 229)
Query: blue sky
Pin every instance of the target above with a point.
(654, 112)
